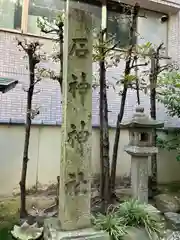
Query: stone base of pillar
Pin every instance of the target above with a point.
(52, 231)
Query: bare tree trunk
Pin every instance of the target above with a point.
(33, 59)
(59, 32)
(61, 41)
(104, 131)
(23, 212)
(116, 141)
(106, 150)
(137, 82)
(137, 92)
(104, 136)
(153, 84)
(123, 100)
(104, 139)
(102, 176)
(153, 80)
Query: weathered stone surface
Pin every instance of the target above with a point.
(52, 231)
(139, 178)
(167, 203)
(141, 151)
(152, 209)
(75, 166)
(172, 236)
(173, 220)
(140, 147)
(138, 234)
(141, 120)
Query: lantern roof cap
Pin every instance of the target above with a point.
(141, 120)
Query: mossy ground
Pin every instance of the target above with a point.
(9, 207)
(9, 215)
(9, 211)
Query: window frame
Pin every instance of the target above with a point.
(25, 11)
(149, 11)
(24, 18)
(112, 6)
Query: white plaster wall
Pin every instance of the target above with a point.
(45, 141)
(44, 154)
(11, 149)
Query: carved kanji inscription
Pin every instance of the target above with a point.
(81, 86)
(79, 47)
(76, 138)
(77, 184)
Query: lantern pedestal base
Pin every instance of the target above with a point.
(139, 178)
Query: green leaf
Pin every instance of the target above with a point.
(130, 78)
(148, 45)
(168, 92)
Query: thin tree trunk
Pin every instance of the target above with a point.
(137, 92)
(116, 141)
(61, 41)
(23, 211)
(123, 101)
(106, 150)
(104, 138)
(153, 84)
(102, 177)
(60, 80)
(137, 82)
(104, 131)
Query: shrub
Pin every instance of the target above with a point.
(136, 214)
(131, 213)
(110, 223)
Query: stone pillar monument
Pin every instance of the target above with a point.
(74, 220)
(140, 148)
(75, 186)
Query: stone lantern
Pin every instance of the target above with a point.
(140, 147)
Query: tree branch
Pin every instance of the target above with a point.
(112, 48)
(139, 65)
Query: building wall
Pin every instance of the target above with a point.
(44, 151)
(44, 157)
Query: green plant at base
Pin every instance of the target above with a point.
(131, 213)
(110, 223)
(136, 214)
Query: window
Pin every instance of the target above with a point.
(23, 15)
(119, 22)
(10, 14)
(151, 28)
(119, 28)
(51, 8)
(42, 8)
(95, 12)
